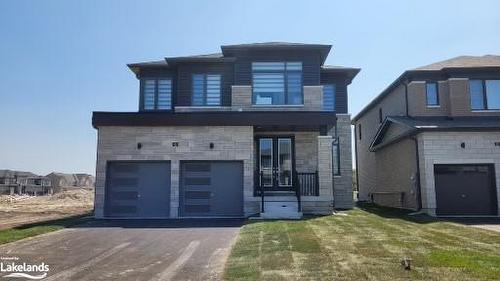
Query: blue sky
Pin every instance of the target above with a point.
(60, 60)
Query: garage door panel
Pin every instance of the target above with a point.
(465, 190)
(211, 188)
(138, 189)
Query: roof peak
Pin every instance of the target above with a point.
(464, 61)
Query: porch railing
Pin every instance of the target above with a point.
(309, 183)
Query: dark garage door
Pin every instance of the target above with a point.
(138, 189)
(211, 188)
(465, 190)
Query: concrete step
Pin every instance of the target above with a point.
(281, 210)
(280, 198)
(281, 216)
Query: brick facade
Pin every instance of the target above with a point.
(444, 148)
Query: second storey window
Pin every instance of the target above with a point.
(206, 90)
(484, 94)
(277, 83)
(157, 94)
(329, 97)
(432, 95)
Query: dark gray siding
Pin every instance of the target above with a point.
(184, 80)
(310, 64)
(340, 82)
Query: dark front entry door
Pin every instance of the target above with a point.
(466, 189)
(276, 162)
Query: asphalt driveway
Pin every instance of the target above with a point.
(131, 250)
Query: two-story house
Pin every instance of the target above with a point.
(431, 140)
(258, 129)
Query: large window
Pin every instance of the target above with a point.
(329, 97)
(277, 83)
(206, 90)
(157, 94)
(484, 94)
(432, 94)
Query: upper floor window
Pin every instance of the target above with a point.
(484, 94)
(329, 97)
(359, 131)
(206, 89)
(380, 115)
(432, 95)
(277, 83)
(157, 94)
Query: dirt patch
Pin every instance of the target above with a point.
(17, 210)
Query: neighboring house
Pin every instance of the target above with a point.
(431, 140)
(85, 180)
(256, 129)
(62, 180)
(12, 182)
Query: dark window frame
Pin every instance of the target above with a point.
(438, 103)
(204, 93)
(380, 115)
(142, 84)
(285, 80)
(359, 131)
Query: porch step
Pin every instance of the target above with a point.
(281, 210)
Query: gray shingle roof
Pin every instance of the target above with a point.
(11, 174)
(464, 62)
(446, 123)
(149, 63)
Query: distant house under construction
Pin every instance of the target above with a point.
(18, 182)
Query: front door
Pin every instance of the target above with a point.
(276, 162)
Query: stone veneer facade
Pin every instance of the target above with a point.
(235, 143)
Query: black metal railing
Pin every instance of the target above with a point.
(309, 183)
(304, 184)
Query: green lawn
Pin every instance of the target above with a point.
(367, 243)
(28, 230)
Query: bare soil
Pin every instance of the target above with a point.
(18, 210)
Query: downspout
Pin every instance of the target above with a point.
(333, 173)
(419, 188)
(356, 156)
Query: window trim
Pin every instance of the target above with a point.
(204, 93)
(285, 80)
(438, 102)
(142, 84)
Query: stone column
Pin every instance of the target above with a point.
(325, 166)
